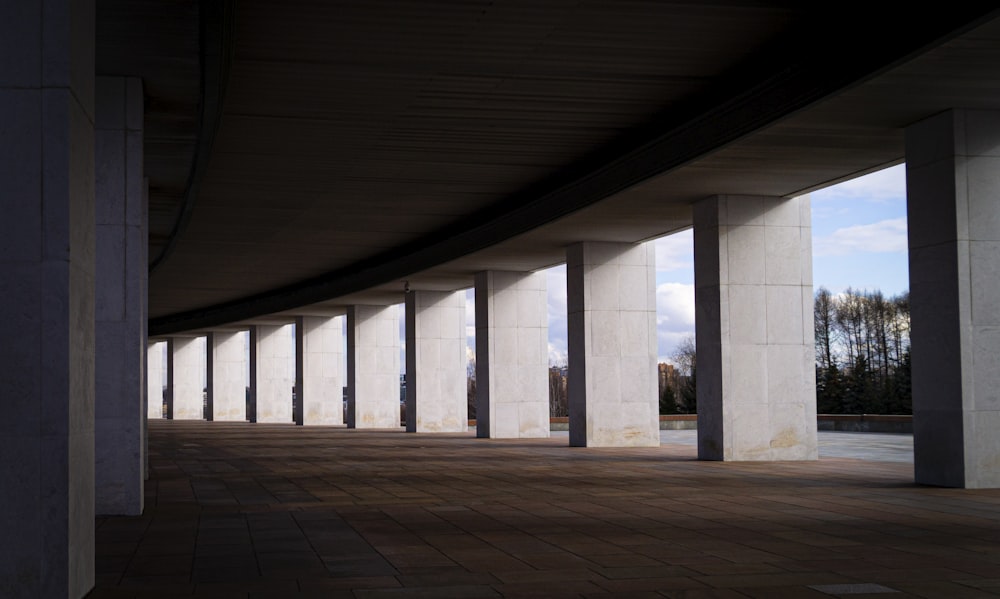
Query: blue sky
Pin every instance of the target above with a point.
(859, 233)
(859, 241)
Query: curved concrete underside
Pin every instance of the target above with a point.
(363, 144)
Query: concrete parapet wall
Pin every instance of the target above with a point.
(865, 423)
(854, 423)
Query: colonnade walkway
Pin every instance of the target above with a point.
(240, 510)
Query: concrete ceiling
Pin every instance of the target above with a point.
(306, 155)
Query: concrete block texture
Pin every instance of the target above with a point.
(753, 290)
(155, 379)
(373, 367)
(120, 310)
(187, 377)
(228, 372)
(512, 330)
(436, 395)
(954, 246)
(319, 370)
(47, 337)
(611, 291)
(275, 372)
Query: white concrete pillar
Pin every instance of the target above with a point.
(436, 395)
(319, 378)
(226, 375)
(512, 334)
(47, 273)
(186, 376)
(275, 372)
(120, 302)
(611, 318)
(373, 367)
(953, 208)
(754, 329)
(155, 379)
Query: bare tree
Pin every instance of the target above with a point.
(824, 317)
(470, 386)
(558, 396)
(868, 334)
(684, 357)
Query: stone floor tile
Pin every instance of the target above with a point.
(659, 584)
(437, 576)
(783, 579)
(557, 575)
(434, 592)
(319, 583)
(631, 595)
(564, 588)
(703, 594)
(268, 510)
(942, 589)
(661, 571)
(783, 593)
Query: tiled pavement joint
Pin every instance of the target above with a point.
(240, 510)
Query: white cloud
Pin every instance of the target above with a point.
(887, 236)
(668, 344)
(675, 252)
(674, 316)
(675, 306)
(884, 185)
(557, 356)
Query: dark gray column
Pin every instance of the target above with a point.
(155, 380)
(953, 208)
(120, 302)
(47, 269)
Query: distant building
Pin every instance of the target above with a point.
(668, 376)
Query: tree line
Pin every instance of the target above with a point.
(862, 352)
(862, 357)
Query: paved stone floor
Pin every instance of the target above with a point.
(238, 510)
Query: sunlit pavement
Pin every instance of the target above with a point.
(861, 446)
(240, 510)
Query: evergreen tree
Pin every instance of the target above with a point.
(689, 395)
(829, 390)
(902, 397)
(668, 401)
